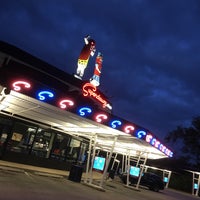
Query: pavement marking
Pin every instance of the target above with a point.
(11, 169)
(48, 174)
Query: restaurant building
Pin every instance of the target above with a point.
(51, 118)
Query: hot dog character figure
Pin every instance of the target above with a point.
(95, 80)
(87, 51)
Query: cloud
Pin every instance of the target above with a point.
(151, 51)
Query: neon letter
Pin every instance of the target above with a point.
(148, 138)
(101, 117)
(17, 87)
(140, 134)
(116, 123)
(66, 102)
(129, 128)
(84, 110)
(42, 95)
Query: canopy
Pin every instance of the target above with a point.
(18, 105)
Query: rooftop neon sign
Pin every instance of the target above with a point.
(91, 90)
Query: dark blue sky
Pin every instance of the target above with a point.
(151, 51)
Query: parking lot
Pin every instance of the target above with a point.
(26, 184)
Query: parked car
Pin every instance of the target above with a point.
(149, 180)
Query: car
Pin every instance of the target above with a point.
(148, 179)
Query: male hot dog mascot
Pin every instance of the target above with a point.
(87, 51)
(95, 80)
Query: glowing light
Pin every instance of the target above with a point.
(163, 148)
(148, 138)
(116, 123)
(196, 186)
(17, 85)
(91, 90)
(129, 128)
(45, 94)
(171, 154)
(101, 117)
(153, 141)
(66, 103)
(157, 143)
(141, 134)
(160, 147)
(85, 110)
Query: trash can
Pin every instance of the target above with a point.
(112, 174)
(75, 173)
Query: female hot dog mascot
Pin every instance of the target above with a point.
(87, 51)
(95, 80)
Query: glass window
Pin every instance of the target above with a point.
(74, 149)
(41, 143)
(60, 146)
(83, 153)
(21, 138)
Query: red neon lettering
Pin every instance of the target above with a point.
(90, 90)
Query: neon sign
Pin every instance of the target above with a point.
(91, 90)
(101, 117)
(45, 94)
(17, 85)
(154, 142)
(85, 110)
(116, 123)
(141, 134)
(66, 103)
(128, 128)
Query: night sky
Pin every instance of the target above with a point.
(151, 51)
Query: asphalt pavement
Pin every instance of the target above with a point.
(19, 181)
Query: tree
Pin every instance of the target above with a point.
(187, 143)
